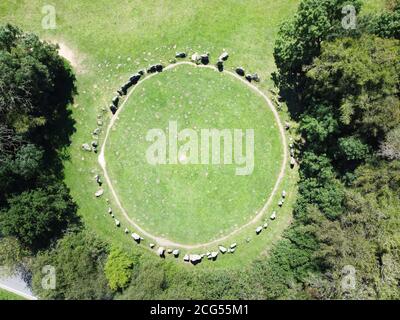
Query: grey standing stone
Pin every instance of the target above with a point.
(161, 252)
(86, 147)
(240, 71)
(99, 193)
(180, 55)
(222, 249)
(224, 56)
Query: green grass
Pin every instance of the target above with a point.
(192, 204)
(6, 295)
(115, 39)
(373, 6)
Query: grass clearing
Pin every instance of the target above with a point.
(7, 295)
(192, 203)
(111, 44)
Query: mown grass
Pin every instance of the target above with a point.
(6, 295)
(115, 39)
(193, 203)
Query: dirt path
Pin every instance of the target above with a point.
(165, 242)
(67, 53)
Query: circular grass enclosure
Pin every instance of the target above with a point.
(192, 203)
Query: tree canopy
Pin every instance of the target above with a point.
(79, 260)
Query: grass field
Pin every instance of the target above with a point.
(110, 40)
(109, 44)
(6, 295)
(192, 203)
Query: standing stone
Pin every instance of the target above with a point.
(180, 55)
(273, 215)
(159, 67)
(222, 249)
(255, 77)
(98, 180)
(161, 252)
(214, 255)
(115, 101)
(240, 71)
(152, 69)
(113, 109)
(99, 193)
(258, 230)
(205, 58)
(292, 162)
(224, 56)
(135, 78)
(176, 253)
(136, 237)
(220, 65)
(86, 147)
(195, 258)
(196, 58)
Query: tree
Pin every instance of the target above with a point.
(11, 254)
(28, 161)
(360, 78)
(352, 149)
(38, 216)
(9, 143)
(118, 269)
(390, 148)
(347, 208)
(148, 282)
(299, 41)
(318, 126)
(79, 260)
(386, 24)
(36, 85)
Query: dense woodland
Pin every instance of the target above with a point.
(342, 89)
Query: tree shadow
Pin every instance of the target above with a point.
(55, 136)
(288, 95)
